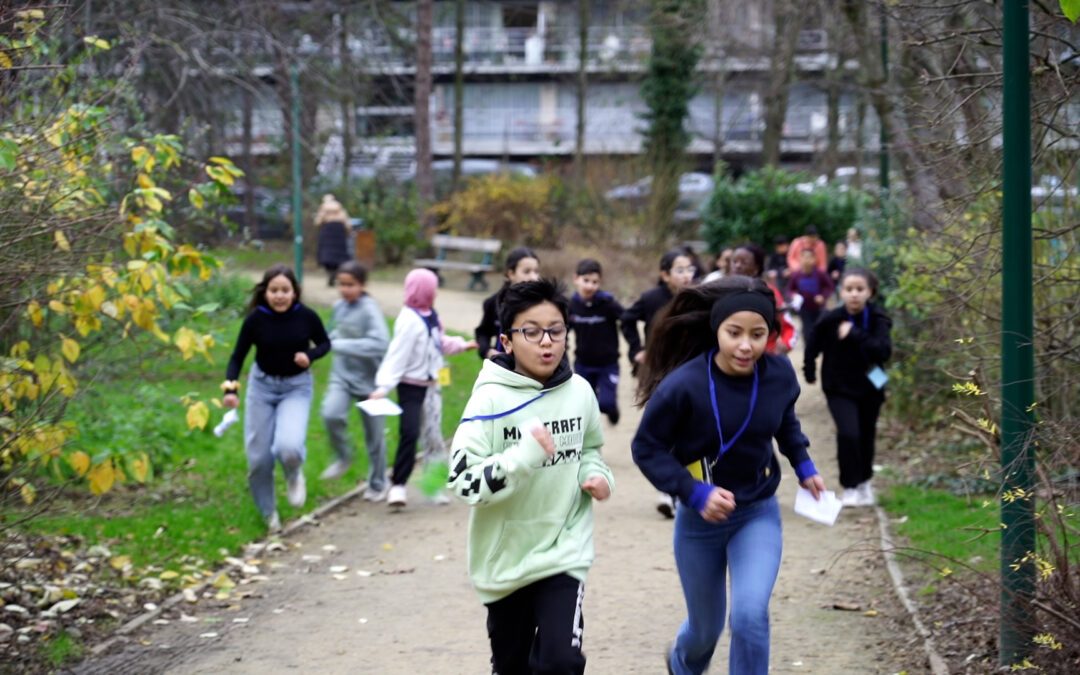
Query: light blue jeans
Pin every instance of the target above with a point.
(275, 427)
(748, 544)
(336, 404)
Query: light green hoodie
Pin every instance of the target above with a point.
(531, 519)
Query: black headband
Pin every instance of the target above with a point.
(743, 301)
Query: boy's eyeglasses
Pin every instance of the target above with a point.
(536, 333)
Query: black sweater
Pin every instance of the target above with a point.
(846, 362)
(646, 307)
(596, 329)
(678, 429)
(489, 328)
(277, 338)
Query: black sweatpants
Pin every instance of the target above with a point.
(537, 630)
(856, 427)
(411, 400)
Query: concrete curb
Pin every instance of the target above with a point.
(294, 525)
(937, 664)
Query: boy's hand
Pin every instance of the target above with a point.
(471, 344)
(376, 395)
(719, 506)
(815, 485)
(301, 359)
(844, 330)
(544, 438)
(639, 357)
(230, 400)
(597, 487)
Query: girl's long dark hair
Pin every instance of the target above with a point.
(681, 330)
(258, 294)
(514, 257)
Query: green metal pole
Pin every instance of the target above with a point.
(883, 132)
(297, 202)
(1017, 353)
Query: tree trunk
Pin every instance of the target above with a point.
(247, 111)
(348, 102)
(459, 89)
(860, 139)
(788, 22)
(831, 156)
(582, 90)
(425, 183)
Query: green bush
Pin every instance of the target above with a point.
(390, 210)
(766, 203)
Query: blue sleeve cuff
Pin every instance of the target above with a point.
(805, 469)
(700, 496)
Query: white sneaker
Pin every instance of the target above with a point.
(273, 523)
(440, 498)
(370, 494)
(396, 498)
(665, 504)
(866, 494)
(297, 489)
(335, 470)
(850, 497)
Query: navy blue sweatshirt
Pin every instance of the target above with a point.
(489, 328)
(646, 307)
(595, 323)
(277, 338)
(678, 429)
(846, 362)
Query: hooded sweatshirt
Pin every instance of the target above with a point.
(531, 518)
(358, 343)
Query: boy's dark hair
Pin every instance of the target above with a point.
(589, 266)
(811, 231)
(756, 251)
(516, 298)
(517, 255)
(354, 270)
(681, 330)
(780, 239)
(871, 278)
(258, 294)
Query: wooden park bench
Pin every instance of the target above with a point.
(480, 254)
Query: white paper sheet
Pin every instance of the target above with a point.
(824, 510)
(379, 406)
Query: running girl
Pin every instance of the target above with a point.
(521, 265)
(854, 342)
(714, 402)
(287, 337)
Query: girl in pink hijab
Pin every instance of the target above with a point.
(414, 364)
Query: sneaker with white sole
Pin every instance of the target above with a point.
(335, 470)
(296, 489)
(665, 504)
(371, 494)
(850, 497)
(440, 498)
(397, 497)
(273, 523)
(866, 494)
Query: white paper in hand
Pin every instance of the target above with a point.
(379, 406)
(824, 510)
(230, 418)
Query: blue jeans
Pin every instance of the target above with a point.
(748, 543)
(275, 427)
(604, 381)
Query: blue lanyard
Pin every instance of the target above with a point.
(724, 447)
(438, 345)
(477, 418)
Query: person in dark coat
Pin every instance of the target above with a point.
(333, 246)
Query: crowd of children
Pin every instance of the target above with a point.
(714, 381)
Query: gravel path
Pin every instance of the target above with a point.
(405, 605)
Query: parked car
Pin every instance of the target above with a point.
(694, 191)
(272, 219)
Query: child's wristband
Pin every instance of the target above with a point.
(230, 387)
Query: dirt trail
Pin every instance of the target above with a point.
(416, 612)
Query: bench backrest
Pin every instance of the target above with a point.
(450, 242)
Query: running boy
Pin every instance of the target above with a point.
(594, 318)
(358, 342)
(527, 455)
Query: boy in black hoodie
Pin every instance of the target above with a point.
(594, 318)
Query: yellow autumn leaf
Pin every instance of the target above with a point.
(101, 478)
(99, 43)
(5, 61)
(34, 311)
(70, 349)
(95, 296)
(119, 562)
(222, 581)
(168, 575)
(61, 241)
(140, 467)
(197, 415)
(57, 306)
(144, 181)
(80, 461)
(28, 493)
(196, 199)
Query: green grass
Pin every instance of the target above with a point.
(945, 529)
(61, 649)
(197, 505)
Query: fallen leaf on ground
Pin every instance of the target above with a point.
(338, 569)
(208, 635)
(187, 618)
(363, 573)
(870, 612)
(340, 577)
(329, 548)
(847, 606)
